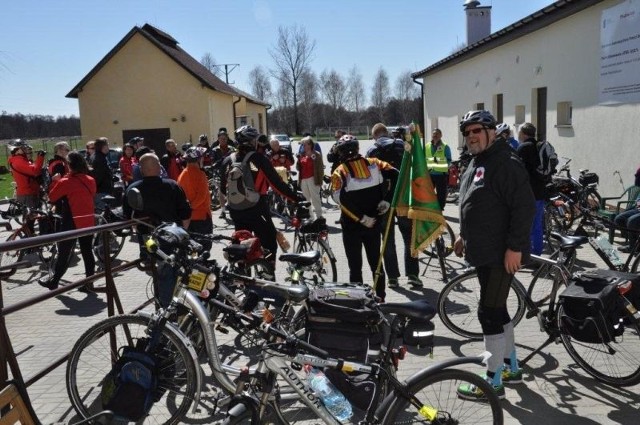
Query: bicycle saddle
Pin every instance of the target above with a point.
(294, 293)
(421, 309)
(305, 259)
(567, 242)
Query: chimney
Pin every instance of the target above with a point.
(478, 21)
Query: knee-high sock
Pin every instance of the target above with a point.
(510, 347)
(495, 344)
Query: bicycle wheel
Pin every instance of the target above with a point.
(213, 189)
(592, 201)
(458, 305)
(324, 270)
(636, 264)
(615, 363)
(92, 359)
(116, 242)
(8, 258)
(448, 238)
(439, 391)
(543, 278)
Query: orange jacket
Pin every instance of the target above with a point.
(79, 190)
(196, 186)
(25, 173)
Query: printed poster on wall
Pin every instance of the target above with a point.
(620, 53)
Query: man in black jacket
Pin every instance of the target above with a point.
(528, 152)
(496, 211)
(101, 172)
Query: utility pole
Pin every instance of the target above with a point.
(227, 71)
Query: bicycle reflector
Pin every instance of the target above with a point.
(624, 287)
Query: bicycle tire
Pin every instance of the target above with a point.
(84, 375)
(8, 258)
(214, 189)
(636, 264)
(616, 363)
(439, 390)
(448, 237)
(539, 289)
(325, 267)
(116, 242)
(458, 305)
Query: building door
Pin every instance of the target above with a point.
(154, 138)
(541, 112)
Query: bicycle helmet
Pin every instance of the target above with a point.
(246, 135)
(203, 138)
(501, 128)
(481, 117)
(348, 146)
(194, 153)
(186, 146)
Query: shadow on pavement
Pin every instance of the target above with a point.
(86, 307)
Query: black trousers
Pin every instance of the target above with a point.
(204, 227)
(354, 238)
(64, 257)
(441, 182)
(495, 284)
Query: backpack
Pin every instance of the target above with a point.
(130, 387)
(241, 191)
(547, 159)
(391, 153)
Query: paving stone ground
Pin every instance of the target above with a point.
(555, 391)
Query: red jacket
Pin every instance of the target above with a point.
(126, 168)
(25, 173)
(79, 190)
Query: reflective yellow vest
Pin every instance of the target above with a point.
(438, 162)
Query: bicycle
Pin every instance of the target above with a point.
(613, 362)
(582, 192)
(109, 214)
(326, 191)
(213, 173)
(440, 249)
(313, 235)
(96, 351)
(280, 206)
(28, 218)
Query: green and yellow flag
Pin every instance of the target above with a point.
(415, 197)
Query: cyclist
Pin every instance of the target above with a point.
(311, 169)
(73, 196)
(257, 218)
(126, 163)
(195, 184)
(101, 172)
(58, 164)
(503, 131)
(361, 187)
(172, 160)
(218, 154)
(279, 156)
(391, 150)
(25, 174)
(496, 212)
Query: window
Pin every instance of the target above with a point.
(497, 107)
(520, 114)
(564, 111)
(479, 106)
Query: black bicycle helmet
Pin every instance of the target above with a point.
(186, 146)
(481, 117)
(203, 138)
(246, 135)
(347, 146)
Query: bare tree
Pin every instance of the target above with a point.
(260, 83)
(380, 92)
(209, 62)
(356, 96)
(292, 54)
(333, 89)
(309, 97)
(406, 92)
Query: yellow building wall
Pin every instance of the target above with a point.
(255, 114)
(143, 88)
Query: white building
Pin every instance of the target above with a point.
(572, 69)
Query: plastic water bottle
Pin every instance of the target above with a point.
(610, 250)
(332, 399)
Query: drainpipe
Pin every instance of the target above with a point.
(422, 105)
(266, 119)
(234, 110)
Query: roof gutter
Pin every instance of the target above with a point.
(266, 118)
(234, 110)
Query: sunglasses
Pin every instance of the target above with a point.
(474, 131)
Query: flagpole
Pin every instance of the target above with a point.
(391, 212)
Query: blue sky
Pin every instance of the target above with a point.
(48, 46)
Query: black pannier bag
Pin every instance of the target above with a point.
(592, 307)
(588, 178)
(341, 321)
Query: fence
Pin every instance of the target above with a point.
(327, 133)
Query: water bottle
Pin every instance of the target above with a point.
(332, 399)
(609, 250)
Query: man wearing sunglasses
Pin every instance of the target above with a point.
(496, 212)
(438, 161)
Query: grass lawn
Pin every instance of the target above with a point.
(6, 191)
